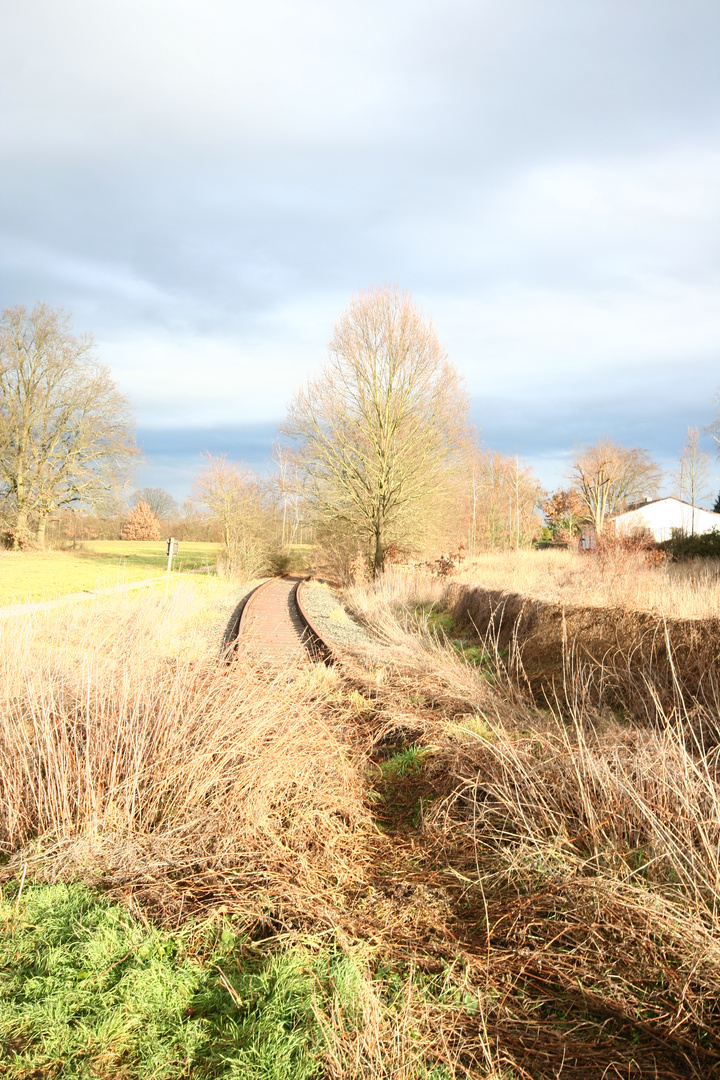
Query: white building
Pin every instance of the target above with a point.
(666, 517)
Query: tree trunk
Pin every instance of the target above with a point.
(41, 532)
(379, 556)
(21, 529)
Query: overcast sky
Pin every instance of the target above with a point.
(205, 184)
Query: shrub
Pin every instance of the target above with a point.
(703, 545)
(141, 525)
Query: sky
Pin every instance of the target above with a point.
(204, 185)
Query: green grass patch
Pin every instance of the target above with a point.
(28, 576)
(473, 726)
(476, 656)
(431, 618)
(87, 991)
(406, 762)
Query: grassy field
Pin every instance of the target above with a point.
(97, 564)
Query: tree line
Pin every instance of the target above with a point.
(377, 454)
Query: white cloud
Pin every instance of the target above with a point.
(204, 185)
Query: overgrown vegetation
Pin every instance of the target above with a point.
(452, 878)
(584, 848)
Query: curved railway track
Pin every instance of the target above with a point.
(274, 626)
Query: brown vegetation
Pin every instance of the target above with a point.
(141, 525)
(240, 506)
(541, 883)
(177, 780)
(496, 498)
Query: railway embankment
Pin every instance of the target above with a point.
(620, 651)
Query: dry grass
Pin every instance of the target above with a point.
(649, 666)
(542, 898)
(584, 854)
(180, 777)
(688, 590)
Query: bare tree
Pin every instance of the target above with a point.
(378, 433)
(607, 475)
(238, 503)
(693, 472)
(160, 501)
(66, 432)
(289, 494)
(501, 497)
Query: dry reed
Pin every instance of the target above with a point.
(620, 579)
(182, 779)
(583, 854)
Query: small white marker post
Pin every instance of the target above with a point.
(171, 548)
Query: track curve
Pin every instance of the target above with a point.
(273, 625)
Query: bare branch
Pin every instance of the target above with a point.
(66, 432)
(378, 433)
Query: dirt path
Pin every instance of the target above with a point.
(89, 594)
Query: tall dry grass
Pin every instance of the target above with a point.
(622, 579)
(584, 852)
(544, 899)
(182, 776)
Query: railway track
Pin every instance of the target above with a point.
(274, 627)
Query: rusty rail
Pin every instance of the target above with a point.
(313, 640)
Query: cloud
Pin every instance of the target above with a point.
(204, 186)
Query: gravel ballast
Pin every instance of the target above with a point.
(331, 618)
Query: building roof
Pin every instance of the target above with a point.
(665, 498)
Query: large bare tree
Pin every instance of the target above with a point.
(607, 475)
(66, 432)
(160, 501)
(379, 431)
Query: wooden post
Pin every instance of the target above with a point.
(171, 548)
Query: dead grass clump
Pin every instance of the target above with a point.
(614, 576)
(629, 804)
(590, 980)
(589, 887)
(185, 781)
(410, 1028)
(578, 857)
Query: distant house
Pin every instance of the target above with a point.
(665, 518)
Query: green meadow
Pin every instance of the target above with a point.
(97, 564)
